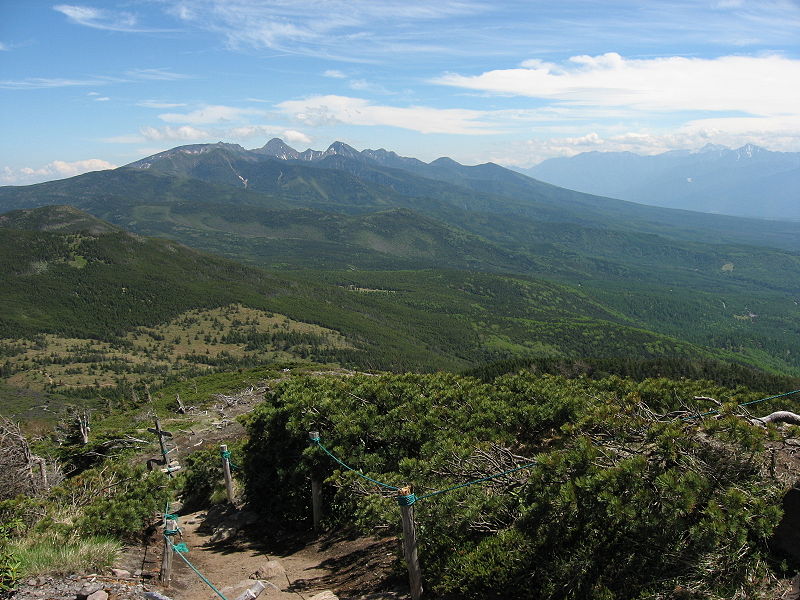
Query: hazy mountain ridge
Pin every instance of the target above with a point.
(357, 182)
(748, 181)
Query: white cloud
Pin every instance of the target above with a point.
(210, 114)
(329, 110)
(291, 136)
(764, 85)
(57, 169)
(102, 99)
(334, 74)
(103, 19)
(183, 133)
(3, 47)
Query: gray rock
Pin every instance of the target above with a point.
(223, 534)
(87, 589)
(271, 569)
(326, 595)
(242, 518)
(122, 573)
(98, 595)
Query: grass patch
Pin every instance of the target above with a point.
(53, 554)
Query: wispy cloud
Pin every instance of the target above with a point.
(130, 76)
(160, 74)
(331, 110)
(362, 85)
(55, 170)
(350, 30)
(97, 18)
(210, 114)
(334, 74)
(4, 47)
(755, 85)
(161, 105)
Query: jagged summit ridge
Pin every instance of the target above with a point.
(278, 149)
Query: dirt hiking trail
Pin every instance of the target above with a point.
(232, 550)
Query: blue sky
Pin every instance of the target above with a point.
(85, 86)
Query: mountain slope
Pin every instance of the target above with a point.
(104, 285)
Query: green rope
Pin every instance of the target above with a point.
(226, 454)
(169, 517)
(182, 548)
(407, 500)
(172, 531)
(193, 568)
(469, 483)
(349, 468)
(716, 412)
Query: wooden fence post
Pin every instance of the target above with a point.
(410, 540)
(166, 560)
(316, 489)
(160, 434)
(226, 469)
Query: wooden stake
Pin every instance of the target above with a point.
(226, 470)
(162, 446)
(166, 560)
(410, 544)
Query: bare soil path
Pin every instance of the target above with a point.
(298, 565)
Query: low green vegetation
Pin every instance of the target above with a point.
(79, 525)
(625, 500)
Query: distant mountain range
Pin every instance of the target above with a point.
(460, 258)
(749, 181)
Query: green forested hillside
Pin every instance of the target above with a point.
(105, 286)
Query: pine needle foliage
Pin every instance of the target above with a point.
(625, 502)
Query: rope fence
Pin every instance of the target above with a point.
(749, 403)
(409, 499)
(179, 550)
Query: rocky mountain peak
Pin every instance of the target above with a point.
(279, 149)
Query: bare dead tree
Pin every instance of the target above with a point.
(82, 420)
(780, 416)
(21, 471)
(181, 407)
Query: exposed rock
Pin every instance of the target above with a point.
(269, 570)
(98, 595)
(239, 590)
(326, 595)
(223, 534)
(242, 518)
(88, 589)
(122, 573)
